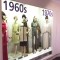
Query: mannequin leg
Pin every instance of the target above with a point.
(24, 50)
(21, 47)
(15, 48)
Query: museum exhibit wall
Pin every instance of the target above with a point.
(55, 6)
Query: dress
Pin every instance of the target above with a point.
(4, 41)
(46, 35)
(15, 33)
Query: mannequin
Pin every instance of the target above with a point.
(46, 34)
(4, 37)
(35, 36)
(24, 42)
(15, 34)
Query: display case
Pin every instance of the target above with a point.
(28, 30)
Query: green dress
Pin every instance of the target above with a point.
(16, 33)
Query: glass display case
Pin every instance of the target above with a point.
(28, 30)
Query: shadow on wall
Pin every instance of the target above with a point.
(39, 3)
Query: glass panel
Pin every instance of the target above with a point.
(26, 29)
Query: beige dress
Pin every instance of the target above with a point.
(46, 35)
(15, 33)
